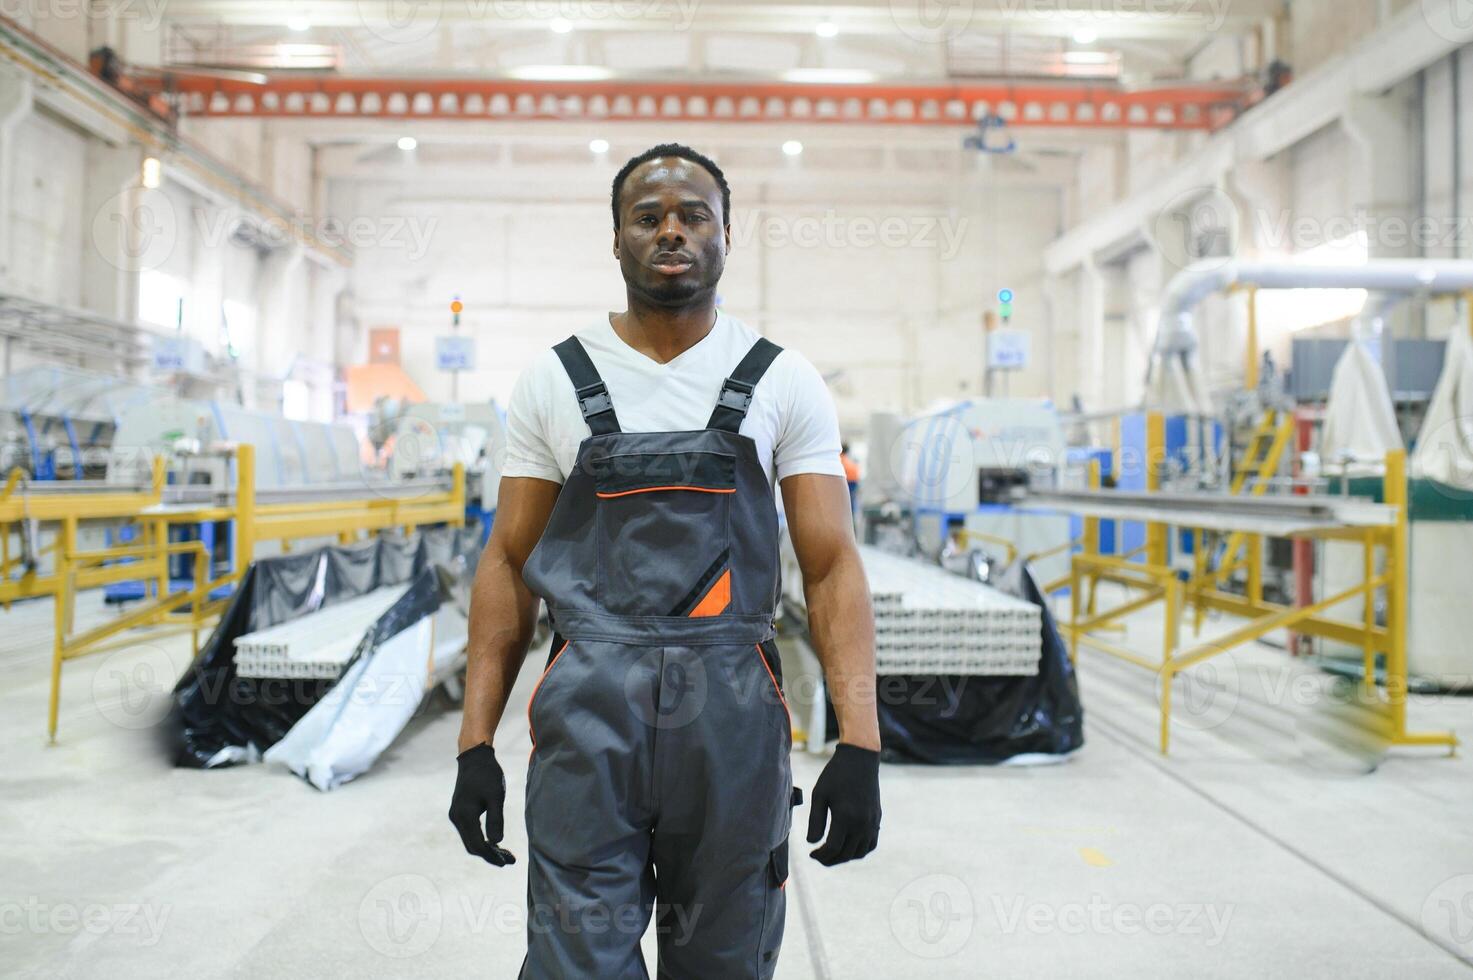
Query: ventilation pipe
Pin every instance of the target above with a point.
(1176, 335)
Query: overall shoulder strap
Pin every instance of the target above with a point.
(593, 396)
(736, 391)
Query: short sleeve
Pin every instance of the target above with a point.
(528, 447)
(808, 431)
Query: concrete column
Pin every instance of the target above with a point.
(15, 106)
(123, 232)
(1386, 133)
(279, 320)
(1091, 386)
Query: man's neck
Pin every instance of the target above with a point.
(663, 335)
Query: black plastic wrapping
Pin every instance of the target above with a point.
(959, 720)
(215, 709)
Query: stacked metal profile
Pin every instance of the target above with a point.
(929, 621)
(318, 645)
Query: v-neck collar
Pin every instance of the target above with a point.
(678, 357)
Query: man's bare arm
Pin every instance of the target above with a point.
(503, 612)
(840, 618)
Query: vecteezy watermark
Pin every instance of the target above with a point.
(944, 233)
(1447, 915)
(136, 229)
(567, 918)
(411, 21)
(1101, 917)
(1197, 227)
(139, 229)
(409, 234)
(401, 916)
(932, 21)
(938, 21)
(933, 916)
(143, 920)
(130, 687)
(148, 13)
(1285, 231)
(666, 693)
(935, 457)
(1450, 19)
(1207, 16)
(1204, 696)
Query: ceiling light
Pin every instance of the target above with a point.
(1086, 35)
(561, 73)
(599, 146)
(153, 172)
(560, 26)
(829, 76)
(408, 143)
(299, 24)
(826, 28)
(792, 148)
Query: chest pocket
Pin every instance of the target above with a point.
(662, 526)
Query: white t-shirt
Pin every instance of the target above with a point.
(792, 417)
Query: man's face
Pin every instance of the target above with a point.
(672, 241)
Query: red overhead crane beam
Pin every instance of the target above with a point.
(318, 96)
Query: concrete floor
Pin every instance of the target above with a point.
(1252, 851)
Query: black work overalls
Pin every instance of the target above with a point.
(660, 773)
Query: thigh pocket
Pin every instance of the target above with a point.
(663, 533)
(774, 910)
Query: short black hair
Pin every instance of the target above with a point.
(673, 150)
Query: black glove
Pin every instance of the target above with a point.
(849, 788)
(480, 788)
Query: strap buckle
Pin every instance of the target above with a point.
(594, 400)
(736, 395)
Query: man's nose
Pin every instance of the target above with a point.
(671, 231)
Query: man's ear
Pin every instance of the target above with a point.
(727, 231)
(616, 243)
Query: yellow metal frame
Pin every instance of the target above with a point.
(1156, 581)
(77, 570)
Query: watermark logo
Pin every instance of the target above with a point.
(401, 21)
(933, 916)
(136, 229)
(1205, 696)
(149, 14)
(1447, 915)
(932, 21)
(935, 458)
(944, 234)
(143, 921)
(1450, 19)
(666, 693)
(401, 917)
(1197, 227)
(1104, 918)
(131, 687)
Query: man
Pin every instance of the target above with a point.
(637, 501)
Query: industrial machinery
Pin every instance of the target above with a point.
(59, 423)
(965, 467)
(290, 453)
(428, 438)
(1312, 521)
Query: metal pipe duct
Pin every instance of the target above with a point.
(1176, 335)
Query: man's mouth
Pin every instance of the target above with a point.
(671, 266)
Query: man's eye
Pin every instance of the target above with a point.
(647, 219)
(696, 217)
